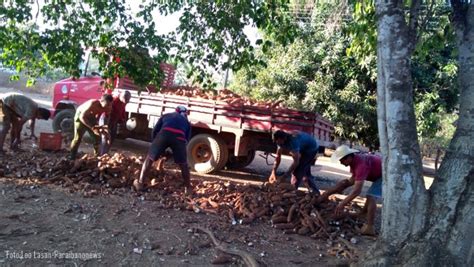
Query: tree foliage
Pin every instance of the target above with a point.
(208, 31)
(331, 69)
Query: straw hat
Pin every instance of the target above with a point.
(341, 152)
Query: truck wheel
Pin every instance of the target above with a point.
(206, 153)
(242, 161)
(224, 153)
(64, 121)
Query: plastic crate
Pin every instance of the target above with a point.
(50, 141)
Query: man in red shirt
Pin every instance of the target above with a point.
(117, 116)
(363, 167)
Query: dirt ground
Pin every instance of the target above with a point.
(44, 223)
(48, 224)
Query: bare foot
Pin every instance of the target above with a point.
(138, 186)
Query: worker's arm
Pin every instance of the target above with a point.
(276, 164)
(123, 114)
(83, 120)
(296, 161)
(188, 133)
(82, 116)
(106, 114)
(355, 192)
(338, 188)
(32, 128)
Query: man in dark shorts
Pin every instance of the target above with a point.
(172, 130)
(117, 117)
(303, 148)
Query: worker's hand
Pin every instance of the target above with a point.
(273, 178)
(339, 209)
(293, 179)
(96, 130)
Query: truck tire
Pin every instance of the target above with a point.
(206, 153)
(64, 121)
(242, 161)
(224, 153)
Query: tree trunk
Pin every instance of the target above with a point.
(403, 189)
(438, 157)
(420, 229)
(452, 193)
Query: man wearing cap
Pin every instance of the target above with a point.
(16, 109)
(172, 130)
(117, 116)
(303, 148)
(363, 167)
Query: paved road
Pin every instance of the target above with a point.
(328, 173)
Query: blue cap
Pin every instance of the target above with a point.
(181, 109)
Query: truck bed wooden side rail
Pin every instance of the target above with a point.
(220, 113)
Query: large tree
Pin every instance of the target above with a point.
(423, 227)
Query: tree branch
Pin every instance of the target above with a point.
(37, 11)
(459, 13)
(413, 21)
(424, 22)
(246, 257)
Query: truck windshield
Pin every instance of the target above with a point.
(90, 66)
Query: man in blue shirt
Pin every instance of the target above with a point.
(172, 130)
(303, 148)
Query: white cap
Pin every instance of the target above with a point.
(341, 152)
